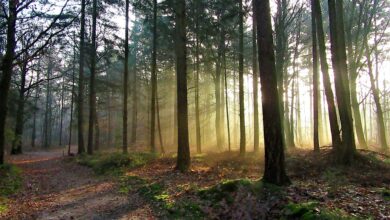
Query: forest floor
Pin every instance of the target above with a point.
(219, 186)
(54, 188)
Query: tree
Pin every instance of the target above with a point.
(6, 67)
(92, 92)
(125, 80)
(80, 106)
(316, 101)
(183, 151)
(345, 152)
(375, 94)
(153, 80)
(255, 85)
(332, 111)
(241, 78)
(274, 171)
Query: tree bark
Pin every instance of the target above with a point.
(255, 70)
(80, 104)
(197, 114)
(153, 80)
(6, 68)
(332, 111)
(17, 142)
(378, 106)
(241, 79)
(344, 154)
(62, 110)
(135, 103)
(316, 100)
(125, 81)
(274, 171)
(183, 152)
(92, 92)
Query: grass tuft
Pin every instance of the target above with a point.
(114, 163)
(311, 211)
(10, 179)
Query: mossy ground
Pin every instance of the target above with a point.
(10, 183)
(227, 186)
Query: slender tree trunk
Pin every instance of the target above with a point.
(6, 76)
(34, 128)
(197, 114)
(255, 70)
(159, 126)
(47, 123)
(217, 85)
(274, 171)
(183, 152)
(125, 81)
(378, 106)
(92, 92)
(97, 131)
(316, 98)
(72, 98)
(62, 110)
(17, 142)
(346, 152)
(80, 104)
(226, 101)
(241, 79)
(153, 80)
(332, 111)
(135, 103)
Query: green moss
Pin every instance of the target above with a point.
(386, 194)
(185, 210)
(223, 190)
(3, 205)
(10, 180)
(311, 211)
(114, 163)
(129, 183)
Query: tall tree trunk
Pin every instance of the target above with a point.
(80, 98)
(97, 131)
(378, 106)
(241, 78)
(197, 114)
(92, 92)
(217, 85)
(255, 70)
(135, 103)
(336, 22)
(34, 127)
(62, 110)
(332, 111)
(183, 151)
(72, 97)
(125, 81)
(316, 97)
(17, 142)
(47, 120)
(226, 101)
(274, 171)
(153, 80)
(159, 126)
(6, 68)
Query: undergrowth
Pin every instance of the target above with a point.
(114, 163)
(311, 211)
(10, 183)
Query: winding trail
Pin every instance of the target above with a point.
(55, 188)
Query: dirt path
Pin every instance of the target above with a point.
(56, 189)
